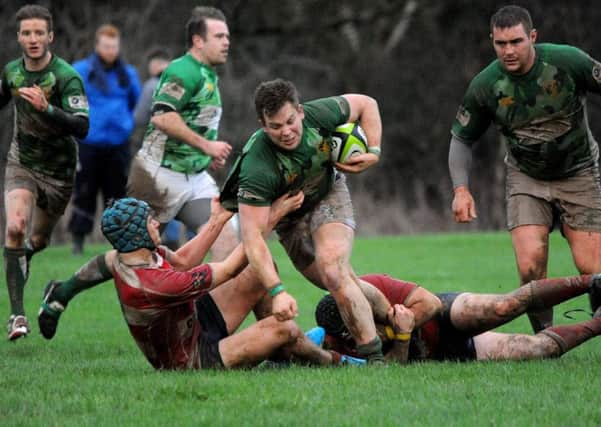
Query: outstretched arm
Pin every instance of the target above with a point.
(193, 252)
(237, 260)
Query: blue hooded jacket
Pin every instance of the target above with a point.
(112, 95)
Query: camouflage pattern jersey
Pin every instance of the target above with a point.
(189, 87)
(264, 171)
(541, 115)
(37, 144)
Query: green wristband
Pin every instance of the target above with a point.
(374, 150)
(276, 290)
(49, 109)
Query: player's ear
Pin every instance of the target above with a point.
(301, 111)
(533, 35)
(50, 36)
(197, 41)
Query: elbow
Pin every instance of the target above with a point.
(82, 131)
(434, 305)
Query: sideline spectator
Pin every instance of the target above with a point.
(113, 90)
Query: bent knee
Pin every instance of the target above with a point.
(333, 274)
(287, 331)
(15, 228)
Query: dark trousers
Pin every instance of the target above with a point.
(100, 169)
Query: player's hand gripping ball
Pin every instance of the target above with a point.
(348, 140)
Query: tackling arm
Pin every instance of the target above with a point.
(194, 251)
(237, 260)
(254, 221)
(423, 304)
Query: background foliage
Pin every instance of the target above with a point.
(416, 57)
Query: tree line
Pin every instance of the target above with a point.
(416, 57)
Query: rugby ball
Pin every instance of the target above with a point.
(348, 140)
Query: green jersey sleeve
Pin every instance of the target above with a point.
(174, 90)
(259, 180)
(327, 113)
(586, 70)
(73, 98)
(473, 116)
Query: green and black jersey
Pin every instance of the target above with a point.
(188, 87)
(265, 171)
(37, 144)
(541, 115)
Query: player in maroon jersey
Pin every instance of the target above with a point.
(456, 326)
(184, 314)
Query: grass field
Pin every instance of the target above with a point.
(92, 373)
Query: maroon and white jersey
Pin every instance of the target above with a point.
(158, 306)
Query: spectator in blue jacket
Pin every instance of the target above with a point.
(113, 89)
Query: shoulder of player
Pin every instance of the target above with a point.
(63, 69)
(560, 55)
(258, 147)
(319, 103)
(15, 63)
(492, 72)
(185, 67)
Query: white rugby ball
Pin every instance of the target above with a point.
(348, 140)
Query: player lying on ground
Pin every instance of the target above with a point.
(165, 298)
(461, 330)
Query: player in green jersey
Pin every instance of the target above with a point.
(291, 153)
(169, 172)
(535, 96)
(50, 110)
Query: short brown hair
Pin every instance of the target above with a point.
(34, 11)
(108, 30)
(197, 25)
(270, 96)
(510, 16)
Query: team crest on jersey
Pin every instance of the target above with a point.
(463, 116)
(325, 146)
(290, 178)
(597, 72)
(173, 89)
(209, 88)
(78, 102)
(505, 101)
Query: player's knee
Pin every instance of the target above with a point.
(287, 331)
(534, 270)
(333, 274)
(15, 228)
(587, 264)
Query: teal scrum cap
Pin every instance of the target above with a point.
(124, 224)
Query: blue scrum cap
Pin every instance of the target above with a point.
(124, 224)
